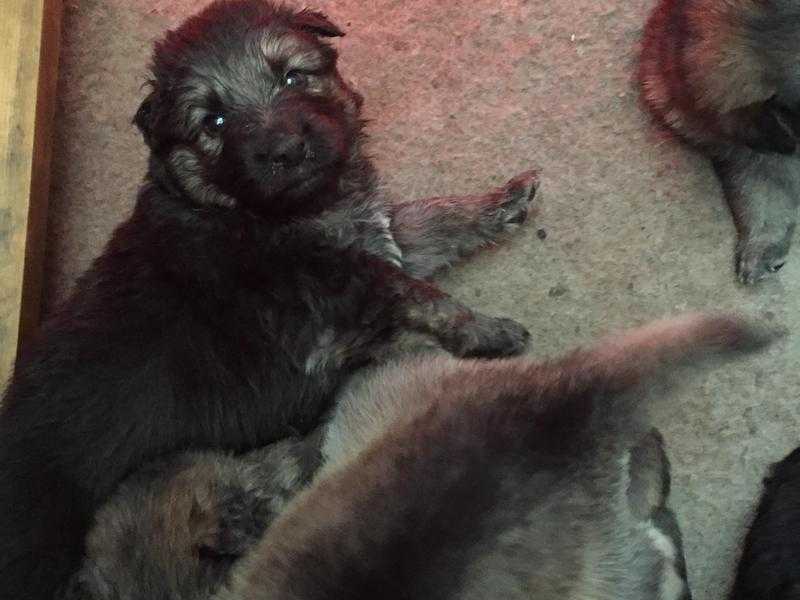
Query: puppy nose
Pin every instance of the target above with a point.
(288, 150)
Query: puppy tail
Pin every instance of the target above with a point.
(623, 360)
(606, 381)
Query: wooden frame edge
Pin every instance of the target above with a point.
(30, 65)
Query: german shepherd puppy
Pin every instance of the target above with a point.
(175, 528)
(725, 76)
(441, 479)
(770, 563)
(260, 267)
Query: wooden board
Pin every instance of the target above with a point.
(30, 33)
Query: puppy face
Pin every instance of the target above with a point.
(248, 108)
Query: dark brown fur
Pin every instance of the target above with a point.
(769, 568)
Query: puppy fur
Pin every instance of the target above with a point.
(174, 529)
(260, 267)
(725, 76)
(504, 479)
(444, 478)
(769, 568)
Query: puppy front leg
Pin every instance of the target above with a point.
(459, 330)
(434, 233)
(762, 192)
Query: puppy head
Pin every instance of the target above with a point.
(174, 530)
(247, 108)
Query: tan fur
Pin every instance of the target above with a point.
(417, 439)
(708, 69)
(724, 72)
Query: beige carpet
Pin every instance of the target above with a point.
(462, 95)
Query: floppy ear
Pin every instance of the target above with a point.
(144, 117)
(317, 23)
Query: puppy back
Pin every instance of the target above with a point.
(413, 507)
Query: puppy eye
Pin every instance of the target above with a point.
(295, 79)
(214, 122)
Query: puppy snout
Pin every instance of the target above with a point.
(285, 141)
(285, 150)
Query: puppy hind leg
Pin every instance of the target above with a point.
(435, 233)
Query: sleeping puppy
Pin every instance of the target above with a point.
(770, 564)
(724, 75)
(262, 264)
(441, 479)
(175, 528)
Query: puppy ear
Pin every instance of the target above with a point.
(317, 23)
(144, 117)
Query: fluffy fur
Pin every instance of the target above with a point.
(174, 529)
(510, 479)
(260, 267)
(725, 76)
(452, 479)
(769, 565)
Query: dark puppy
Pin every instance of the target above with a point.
(259, 268)
(441, 479)
(725, 75)
(770, 565)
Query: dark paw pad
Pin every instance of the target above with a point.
(517, 196)
(776, 268)
(488, 337)
(756, 262)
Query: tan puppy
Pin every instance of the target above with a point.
(724, 75)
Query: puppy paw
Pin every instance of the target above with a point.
(516, 198)
(756, 262)
(487, 337)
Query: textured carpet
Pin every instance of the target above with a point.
(462, 95)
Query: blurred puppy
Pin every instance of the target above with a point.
(770, 564)
(452, 479)
(262, 264)
(725, 76)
